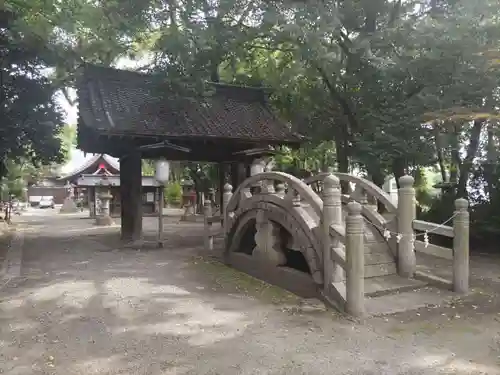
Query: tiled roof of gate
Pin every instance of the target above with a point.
(121, 102)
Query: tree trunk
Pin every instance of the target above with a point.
(466, 166)
(376, 175)
(398, 169)
(489, 167)
(342, 151)
(455, 154)
(439, 152)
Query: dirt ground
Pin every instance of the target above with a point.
(86, 306)
(5, 238)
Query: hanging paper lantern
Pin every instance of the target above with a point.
(162, 171)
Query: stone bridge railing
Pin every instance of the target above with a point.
(458, 253)
(342, 240)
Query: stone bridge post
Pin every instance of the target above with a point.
(207, 210)
(355, 259)
(405, 216)
(332, 215)
(226, 197)
(461, 247)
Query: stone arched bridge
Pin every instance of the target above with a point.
(310, 238)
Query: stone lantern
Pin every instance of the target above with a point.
(103, 217)
(258, 166)
(188, 200)
(69, 205)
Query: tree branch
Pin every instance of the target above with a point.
(344, 104)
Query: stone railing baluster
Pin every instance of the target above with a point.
(280, 190)
(355, 259)
(461, 247)
(332, 214)
(405, 215)
(209, 239)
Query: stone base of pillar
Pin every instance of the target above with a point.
(189, 214)
(68, 207)
(268, 242)
(193, 218)
(104, 220)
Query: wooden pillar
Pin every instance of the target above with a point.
(90, 201)
(131, 197)
(222, 182)
(242, 174)
(235, 178)
(239, 172)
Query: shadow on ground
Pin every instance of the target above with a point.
(88, 306)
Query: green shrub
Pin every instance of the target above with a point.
(173, 193)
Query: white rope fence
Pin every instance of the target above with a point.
(399, 236)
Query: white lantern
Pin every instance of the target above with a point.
(162, 171)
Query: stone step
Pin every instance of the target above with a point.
(377, 247)
(378, 258)
(390, 284)
(376, 270)
(404, 301)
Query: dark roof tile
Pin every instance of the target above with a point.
(124, 102)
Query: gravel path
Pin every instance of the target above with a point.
(84, 308)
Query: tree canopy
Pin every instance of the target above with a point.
(385, 87)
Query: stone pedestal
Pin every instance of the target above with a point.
(268, 242)
(103, 217)
(69, 206)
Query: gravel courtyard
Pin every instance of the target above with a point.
(85, 306)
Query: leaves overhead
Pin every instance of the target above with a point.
(384, 86)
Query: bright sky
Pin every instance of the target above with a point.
(77, 157)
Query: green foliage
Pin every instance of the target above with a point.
(148, 168)
(31, 121)
(68, 140)
(173, 193)
(313, 156)
(382, 86)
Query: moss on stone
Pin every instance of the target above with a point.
(228, 278)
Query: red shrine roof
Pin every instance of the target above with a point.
(97, 164)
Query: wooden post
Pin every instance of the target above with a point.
(161, 204)
(91, 201)
(461, 247)
(226, 196)
(242, 174)
(131, 197)
(222, 181)
(209, 239)
(332, 214)
(406, 211)
(355, 259)
(235, 174)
